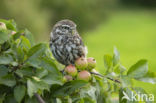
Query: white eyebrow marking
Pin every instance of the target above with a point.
(65, 25)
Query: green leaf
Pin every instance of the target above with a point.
(119, 69)
(6, 59)
(31, 88)
(150, 77)
(48, 64)
(11, 25)
(35, 62)
(138, 70)
(68, 88)
(19, 54)
(58, 100)
(36, 51)
(126, 96)
(107, 61)
(81, 101)
(40, 85)
(10, 99)
(19, 93)
(31, 100)
(3, 70)
(40, 73)
(116, 57)
(121, 95)
(21, 47)
(18, 34)
(29, 35)
(89, 92)
(54, 75)
(34, 85)
(141, 91)
(25, 43)
(4, 36)
(52, 79)
(25, 71)
(5, 47)
(2, 98)
(8, 80)
(126, 81)
(87, 100)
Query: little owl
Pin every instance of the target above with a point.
(65, 42)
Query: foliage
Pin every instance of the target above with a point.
(27, 68)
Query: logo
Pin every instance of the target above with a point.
(137, 96)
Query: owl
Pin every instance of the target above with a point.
(65, 43)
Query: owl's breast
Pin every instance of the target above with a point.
(67, 49)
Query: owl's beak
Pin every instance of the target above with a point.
(73, 31)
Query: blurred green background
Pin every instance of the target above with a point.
(130, 25)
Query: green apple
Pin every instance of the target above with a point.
(2, 26)
(91, 63)
(81, 63)
(71, 70)
(84, 75)
(67, 78)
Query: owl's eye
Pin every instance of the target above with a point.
(65, 27)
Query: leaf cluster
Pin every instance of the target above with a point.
(27, 68)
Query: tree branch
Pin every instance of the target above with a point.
(39, 98)
(115, 80)
(98, 74)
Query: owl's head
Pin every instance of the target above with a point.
(64, 27)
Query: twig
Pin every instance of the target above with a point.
(39, 98)
(115, 80)
(14, 68)
(98, 74)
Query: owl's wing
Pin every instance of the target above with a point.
(82, 48)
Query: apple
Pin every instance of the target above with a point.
(84, 75)
(71, 70)
(13, 32)
(67, 78)
(2, 26)
(81, 63)
(91, 63)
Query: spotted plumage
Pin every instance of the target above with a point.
(65, 43)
